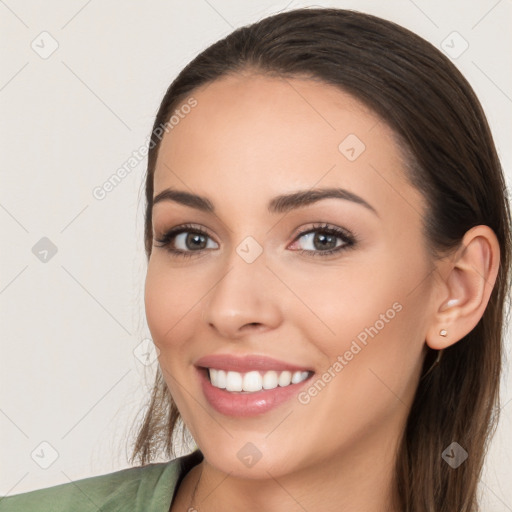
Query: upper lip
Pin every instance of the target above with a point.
(246, 363)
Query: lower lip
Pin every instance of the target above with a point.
(246, 404)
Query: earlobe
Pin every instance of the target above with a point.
(467, 283)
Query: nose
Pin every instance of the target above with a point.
(243, 299)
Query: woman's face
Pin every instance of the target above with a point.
(355, 319)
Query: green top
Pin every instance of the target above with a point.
(149, 488)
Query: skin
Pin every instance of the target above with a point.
(251, 138)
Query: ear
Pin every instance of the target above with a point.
(467, 281)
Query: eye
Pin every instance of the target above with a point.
(324, 239)
(319, 240)
(185, 240)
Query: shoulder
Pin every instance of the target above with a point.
(145, 488)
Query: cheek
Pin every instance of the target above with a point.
(371, 339)
(375, 314)
(171, 303)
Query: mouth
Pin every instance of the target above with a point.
(254, 381)
(249, 385)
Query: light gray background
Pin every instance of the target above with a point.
(72, 326)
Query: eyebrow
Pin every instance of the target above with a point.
(279, 204)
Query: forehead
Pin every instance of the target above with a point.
(253, 135)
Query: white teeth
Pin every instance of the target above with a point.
(254, 380)
(233, 381)
(298, 377)
(221, 379)
(285, 378)
(270, 380)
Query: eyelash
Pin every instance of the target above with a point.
(348, 238)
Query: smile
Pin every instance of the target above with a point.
(254, 381)
(251, 384)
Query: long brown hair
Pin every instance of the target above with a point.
(441, 127)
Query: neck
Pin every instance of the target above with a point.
(349, 480)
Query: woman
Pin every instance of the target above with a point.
(335, 342)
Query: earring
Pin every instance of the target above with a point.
(443, 332)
